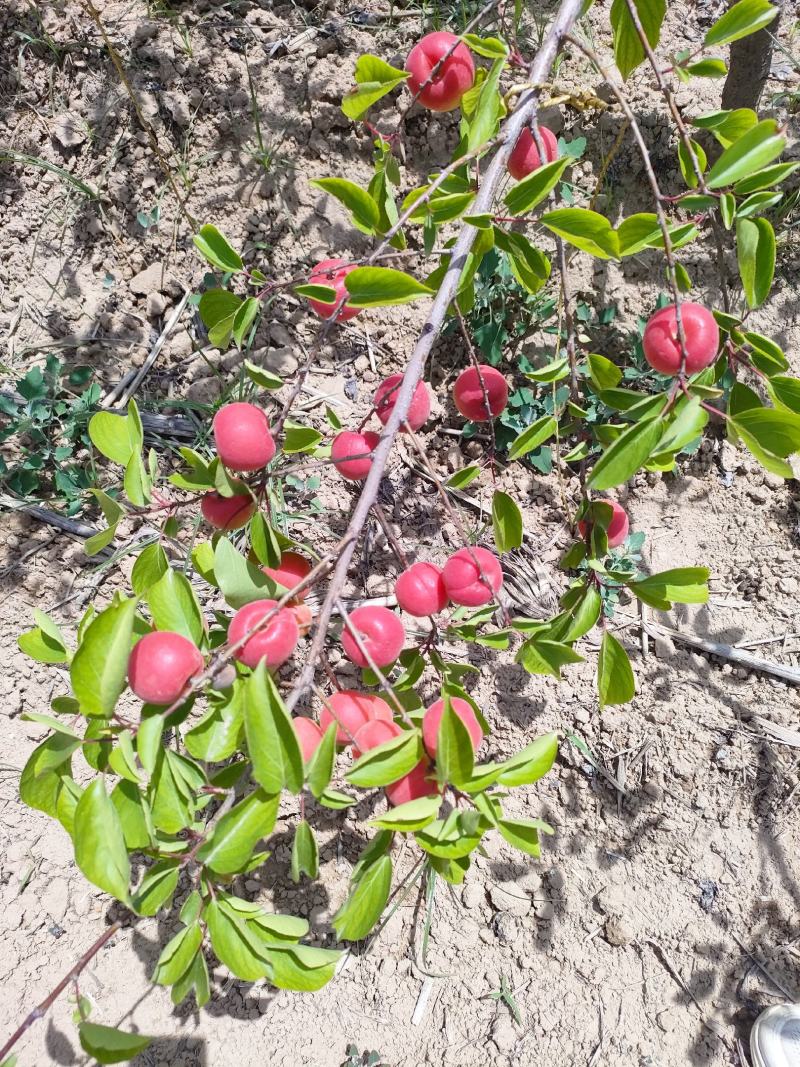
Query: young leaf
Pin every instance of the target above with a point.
(150, 565)
(531, 763)
(741, 20)
(755, 250)
(363, 210)
(271, 740)
(243, 319)
(413, 815)
(305, 852)
(532, 436)
(615, 682)
(681, 585)
(374, 79)
(108, 1045)
(506, 522)
(628, 49)
(363, 907)
(240, 581)
(100, 665)
(177, 955)
(174, 606)
(320, 766)
(156, 888)
(216, 250)
(488, 109)
(540, 656)
(461, 479)
(524, 833)
(626, 455)
(100, 850)
(381, 286)
(241, 953)
(454, 752)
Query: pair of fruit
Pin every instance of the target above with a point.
(470, 577)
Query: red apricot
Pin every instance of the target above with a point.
(455, 76)
(273, 643)
(381, 633)
(662, 348)
(433, 717)
(332, 272)
(161, 664)
(472, 576)
(412, 786)
(292, 569)
(420, 590)
(617, 528)
(386, 397)
(309, 734)
(468, 394)
(350, 709)
(351, 453)
(227, 512)
(242, 437)
(525, 158)
(373, 733)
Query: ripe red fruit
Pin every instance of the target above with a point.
(420, 590)
(381, 633)
(351, 453)
(309, 735)
(386, 397)
(525, 158)
(292, 569)
(472, 576)
(433, 717)
(412, 786)
(242, 437)
(161, 664)
(351, 709)
(332, 272)
(227, 512)
(468, 395)
(455, 76)
(274, 643)
(617, 528)
(662, 348)
(373, 733)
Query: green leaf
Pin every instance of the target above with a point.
(529, 192)
(708, 68)
(271, 740)
(532, 436)
(148, 741)
(133, 817)
(455, 755)
(685, 428)
(100, 665)
(109, 1045)
(172, 809)
(687, 166)
(413, 815)
(461, 479)
(531, 763)
(380, 286)
(749, 153)
(216, 249)
(174, 606)
(263, 378)
(587, 230)
(364, 212)
(741, 20)
(156, 888)
(243, 319)
(123, 759)
(363, 907)
(766, 355)
(506, 522)
(301, 967)
(216, 736)
(604, 373)
(305, 852)
(374, 79)
(100, 850)
(300, 438)
(524, 833)
(785, 391)
(615, 682)
(335, 800)
(755, 250)
(177, 955)
(238, 832)
(217, 306)
(454, 837)
(764, 178)
(388, 762)
(628, 48)
(43, 645)
(727, 126)
(680, 585)
(550, 372)
(241, 953)
(546, 657)
(626, 455)
(151, 565)
(488, 47)
(771, 435)
(320, 766)
(239, 580)
(488, 108)
(114, 436)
